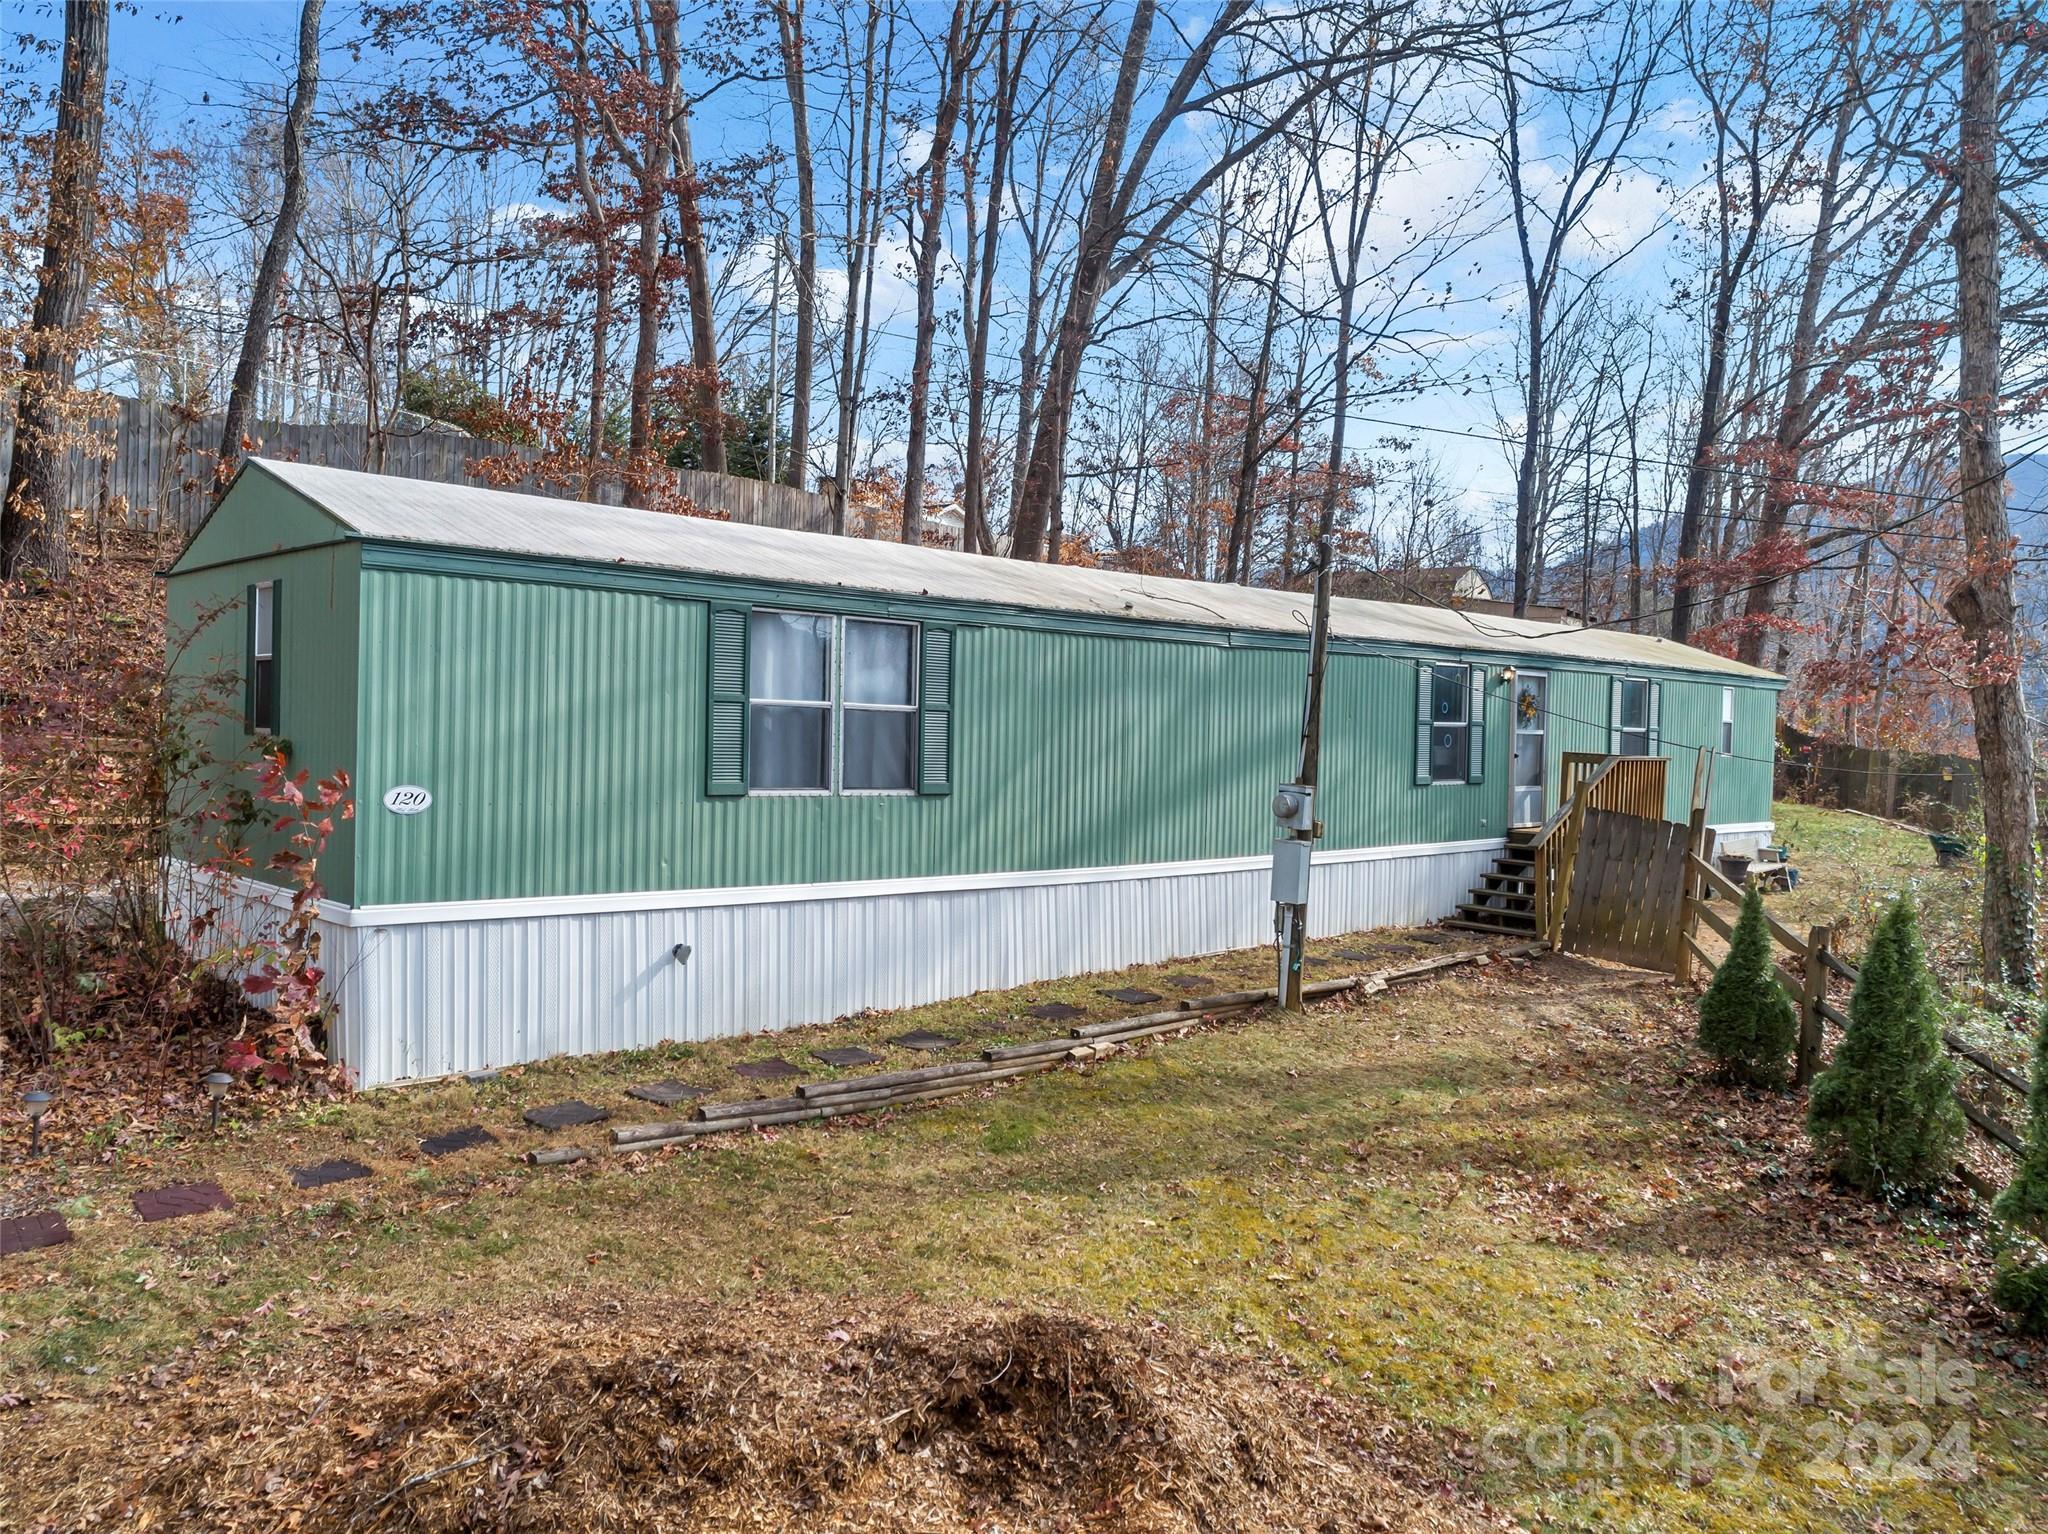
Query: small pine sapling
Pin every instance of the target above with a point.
(1747, 1020)
(2022, 1292)
(2025, 1200)
(1884, 1113)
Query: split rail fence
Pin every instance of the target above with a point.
(1806, 968)
(1615, 880)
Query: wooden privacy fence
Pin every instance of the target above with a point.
(1805, 970)
(1626, 785)
(1626, 889)
(150, 465)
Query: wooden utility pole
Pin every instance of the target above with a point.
(1982, 603)
(270, 271)
(1294, 918)
(34, 518)
(1346, 261)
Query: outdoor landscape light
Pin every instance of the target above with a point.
(217, 1084)
(38, 1104)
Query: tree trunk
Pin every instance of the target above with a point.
(863, 224)
(697, 283)
(1038, 509)
(789, 22)
(34, 519)
(1982, 604)
(1237, 556)
(652, 173)
(950, 91)
(270, 271)
(974, 487)
(1790, 436)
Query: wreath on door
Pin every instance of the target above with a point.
(1525, 706)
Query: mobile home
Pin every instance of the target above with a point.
(625, 777)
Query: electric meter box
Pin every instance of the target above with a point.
(1290, 871)
(1294, 806)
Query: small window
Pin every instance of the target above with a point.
(1635, 717)
(263, 659)
(1727, 721)
(1450, 723)
(790, 706)
(880, 707)
(831, 705)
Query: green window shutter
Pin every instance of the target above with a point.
(1614, 716)
(935, 711)
(1475, 735)
(277, 658)
(725, 692)
(1656, 709)
(249, 659)
(1423, 676)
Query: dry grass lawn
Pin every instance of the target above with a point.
(1503, 1215)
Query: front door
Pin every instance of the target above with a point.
(1532, 729)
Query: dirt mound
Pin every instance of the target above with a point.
(629, 1415)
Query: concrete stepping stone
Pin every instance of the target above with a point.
(33, 1232)
(1192, 982)
(1355, 955)
(568, 1114)
(1133, 995)
(180, 1199)
(771, 1069)
(321, 1173)
(666, 1093)
(449, 1141)
(842, 1058)
(1056, 1011)
(923, 1038)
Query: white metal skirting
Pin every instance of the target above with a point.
(420, 997)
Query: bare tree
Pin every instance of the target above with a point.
(956, 64)
(285, 230)
(1284, 65)
(1598, 100)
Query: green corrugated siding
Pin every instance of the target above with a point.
(561, 731)
(257, 518)
(316, 650)
(1690, 717)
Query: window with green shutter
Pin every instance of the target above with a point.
(1450, 723)
(935, 714)
(812, 703)
(260, 701)
(1633, 706)
(725, 726)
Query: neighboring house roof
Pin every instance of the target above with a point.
(411, 511)
(1464, 587)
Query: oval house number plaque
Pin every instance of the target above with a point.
(407, 799)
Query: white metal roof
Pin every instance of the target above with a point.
(396, 510)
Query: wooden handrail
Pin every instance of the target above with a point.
(1574, 792)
